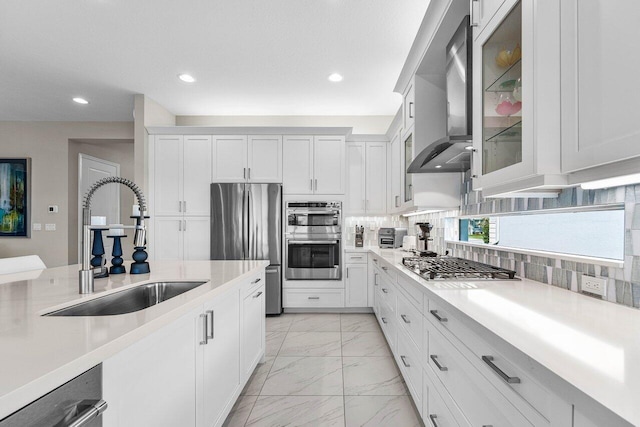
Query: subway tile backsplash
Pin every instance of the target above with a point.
(624, 283)
(371, 226)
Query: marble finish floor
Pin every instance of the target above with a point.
(325, 370)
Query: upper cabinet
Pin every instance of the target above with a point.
(516, 102)
(395, 168)
(238, 158)
(408, 106)
(366, 178)
(600, 86)
(314, 165)
(481, 12)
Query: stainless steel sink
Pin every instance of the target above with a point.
(128, 301)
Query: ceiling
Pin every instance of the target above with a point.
(250, 57)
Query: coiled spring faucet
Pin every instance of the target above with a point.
(86, 273)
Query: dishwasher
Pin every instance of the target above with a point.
(77, 403)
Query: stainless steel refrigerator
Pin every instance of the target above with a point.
(246, 223)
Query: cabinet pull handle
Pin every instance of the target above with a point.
(433, 418)
(384, 320)
(510, 380)
(385, 290)
(397, 201)
(316, 182)
(205, 325)
(472, 19)
(356, 257)
(180, 225)
(210, 325)
(375, 279)
(93, 409)
(256, 281)
(179, 205)
(404, 318)
(404, 361)
(411, 110)
(347, 272)
(314, 297)
(249, 173)
(258, 294)
(184, 228)
(437, 316)
(311, 184)
(375, 260)
(438, 365)
(184, 206)
(385, 268)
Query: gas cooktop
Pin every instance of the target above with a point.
(451, 268)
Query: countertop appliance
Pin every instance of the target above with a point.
(423, 235)
(391, 237)
(246, 223)
(452, 268)
(313, 240)
(77, 403)
(453, 152)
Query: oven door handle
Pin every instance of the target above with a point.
(312, 242)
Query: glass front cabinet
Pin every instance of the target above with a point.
(516, 102)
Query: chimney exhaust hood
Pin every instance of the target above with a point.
(453, 152)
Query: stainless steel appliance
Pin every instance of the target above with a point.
(423, 234)
(451, 268)
(77, 403)
(453, 152)
(313, 241)
(391, 238)
(246, 223)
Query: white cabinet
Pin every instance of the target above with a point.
(219, 380)
(181, 175)
(395, 201)
(600, 87)
(408, 106)
(256, 158)
(366, 178)
(314, 165)
(356, 289)
(481, 12)
(180, 238)
(253, 327)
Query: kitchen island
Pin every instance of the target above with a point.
(40, 353)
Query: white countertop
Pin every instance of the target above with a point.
(39, 353)
(593, 345)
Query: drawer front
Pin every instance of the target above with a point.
(410, 320)
(494, 366)
(408, 358)
(321, 298)
(480, 402)
(435, 412)
(387, 293)
(412, 290)
(388, 326)
(355, 258)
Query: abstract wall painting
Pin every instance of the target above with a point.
(15, 182)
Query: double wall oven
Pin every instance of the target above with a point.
(313, 241)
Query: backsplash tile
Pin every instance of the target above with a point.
(370, 236)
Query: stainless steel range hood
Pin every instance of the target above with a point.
(453, 153)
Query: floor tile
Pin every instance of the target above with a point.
(375, 411)
(364, 344)
(316, 411)
(259, 376)
(321, 376)
(372, 376)
(240, 412)
(273, 343)
(280, 323)
(311, 344)
(359, 322)
(312, 322)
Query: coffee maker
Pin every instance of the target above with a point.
(423, 233)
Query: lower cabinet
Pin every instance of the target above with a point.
(190, 372)
(356, 290)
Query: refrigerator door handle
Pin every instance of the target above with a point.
(248, 251)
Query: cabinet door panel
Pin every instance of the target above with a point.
(168, 174)
(356, 178)
(599, 82)
(265, 159)
(221, 360)
(196, 238)
(328, 165)
(167, 238)
(297, 165)
(396, 174)
(408, 106)
(376, 178)
(230, 158)
(356, 285)
(197, 174)
(253, 330)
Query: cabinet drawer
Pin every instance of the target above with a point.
(320, 298)
(411, 289)
(480, 402)
(387, 294)
(410, 320)
(408, 357)
(252, 284)
(355, 258)
(435, 412)
(388, 326)
(492, 364)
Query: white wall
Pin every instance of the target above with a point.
(47, 143)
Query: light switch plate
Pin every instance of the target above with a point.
(36, 226)
(594, 285)
(50, 227)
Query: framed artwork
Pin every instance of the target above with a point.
(15, 197)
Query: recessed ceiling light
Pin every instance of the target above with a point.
(438, 166)
(335, 77)
(187, 78)
(80, 101)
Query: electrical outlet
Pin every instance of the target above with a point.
(372, 226)
(594, 285)
(50, 227)
(36, 226)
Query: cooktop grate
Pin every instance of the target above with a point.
(447, 268)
